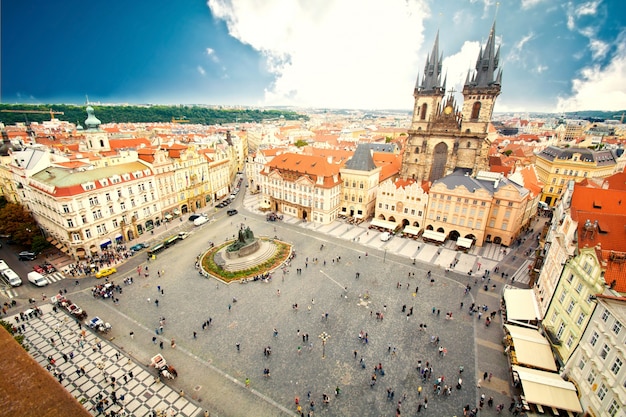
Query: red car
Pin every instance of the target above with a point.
(39, 269)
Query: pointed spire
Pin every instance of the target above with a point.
(487, 62)
(432, 69)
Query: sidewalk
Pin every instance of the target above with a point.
(106, 369)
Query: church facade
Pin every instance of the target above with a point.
(445, 137)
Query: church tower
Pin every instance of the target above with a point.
(443, 139)
(482, 87)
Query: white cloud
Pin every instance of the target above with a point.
(517, 50)
(587, 9)
(540, 69)
(201, 70)
(211, 53)
(456, 66)
(527, 4)
(600, 88)
(337, 55)
(598, 48)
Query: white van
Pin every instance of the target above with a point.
(385, 236)
(13, 279)
(37, 279)
(200, 220)
(3, 265)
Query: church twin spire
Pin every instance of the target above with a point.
(485, 74)
(486, 65)
(431, 79)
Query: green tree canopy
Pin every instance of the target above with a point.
(19, 224)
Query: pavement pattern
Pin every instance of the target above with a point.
(214, 363)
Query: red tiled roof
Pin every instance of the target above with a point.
(306, 165)
(608, 208)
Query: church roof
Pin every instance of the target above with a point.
(361, 160)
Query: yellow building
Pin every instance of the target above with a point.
(573, 302)
(487, 208)
(556, 166)
(360, 177)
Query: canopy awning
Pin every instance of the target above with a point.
(49, 239)
(118, 236)
(521, 305)
(412, 230)
(464, 242)
(176, 212)
(264, 205)
(58, 245)
(105, 242)
(358, 216)
(548, 389)
(53, 242)
(93, 249)
(385, 224)
(531, 348)
(168, 216)
(432, 235)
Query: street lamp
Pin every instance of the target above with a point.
(324, 336)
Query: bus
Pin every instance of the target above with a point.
(155, 249)
(171, 241)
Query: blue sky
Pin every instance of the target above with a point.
(366, 54)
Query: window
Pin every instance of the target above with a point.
(594, 338)
(605, 315)
(570, 278)
(122, 206)
(562, 296)
(617, 327)
(581, 318)
(108, 196)
(115, 223)
(97, 214)
(587, 267)
(93, 201)
(66, 208)
(88, 233)
(605, 351)
(602, 392)
(582, 363)
(617, 365)
(570, 341)
(570, 307)
(613, 409)
(76, 237)
(559, 332)
(70, 223)
(591, 378)
(579, 287)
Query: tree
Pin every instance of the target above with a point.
(388, 139)
(300, 143)
(508, 152)
(19, 338)
(19, 224)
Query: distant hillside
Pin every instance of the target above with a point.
(139, 114)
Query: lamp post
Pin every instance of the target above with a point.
(324, 336)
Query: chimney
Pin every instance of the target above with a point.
(329, 159)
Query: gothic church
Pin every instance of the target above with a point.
(443, 139)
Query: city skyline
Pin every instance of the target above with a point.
(366, 55)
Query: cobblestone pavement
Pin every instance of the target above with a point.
(212, 370)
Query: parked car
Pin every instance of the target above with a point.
(138, 247)
(105, 272)
(193, 217)
(27, 256)
(232, 212)
(183, 235)
(200, 220)
(385, 236)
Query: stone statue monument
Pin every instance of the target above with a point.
(245, 244)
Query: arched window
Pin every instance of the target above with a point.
(469, 144)
(423, 111)
(475, 110)
(417, 149)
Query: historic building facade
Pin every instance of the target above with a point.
(443, 138)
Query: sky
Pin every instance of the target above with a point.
(354, 54)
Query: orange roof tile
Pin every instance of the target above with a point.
(306, 165)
